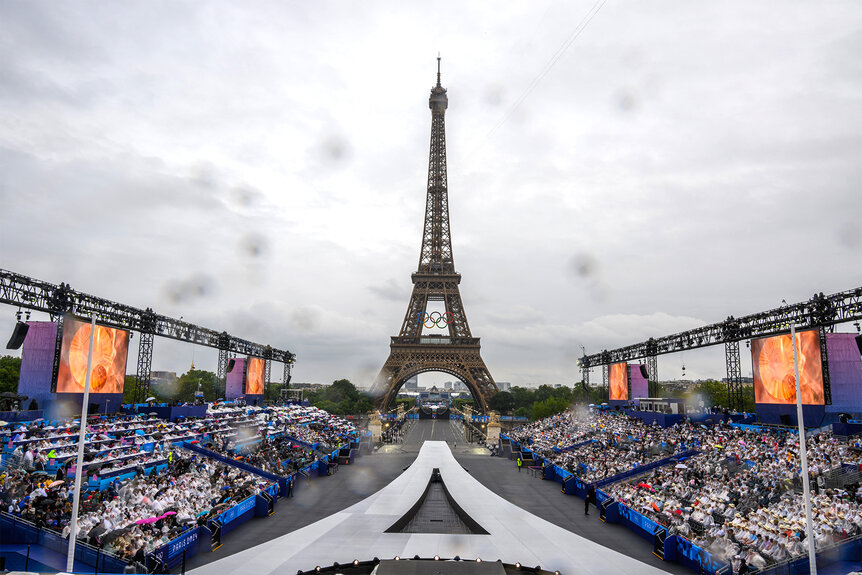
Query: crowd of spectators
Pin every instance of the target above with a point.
(131, 518)
(142, 489)
(740, 497)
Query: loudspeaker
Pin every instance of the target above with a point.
(94, 408)
(785, 419)
(859, 342)
(20, 332)
(844, 417)
(230, 365)
(644, 373)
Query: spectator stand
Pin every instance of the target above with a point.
(17, 531)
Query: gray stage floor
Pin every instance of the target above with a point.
(327, 495)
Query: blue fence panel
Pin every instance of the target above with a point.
(683, 551)
(171, 553)
(637, 522)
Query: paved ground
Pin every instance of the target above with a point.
(324, 496)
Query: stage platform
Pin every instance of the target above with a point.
(358, 532)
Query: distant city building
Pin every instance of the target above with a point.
(306, 385)
(504, 385)
(412, 383)
(743, 380)
(447, 385)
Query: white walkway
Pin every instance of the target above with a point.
(358, 532)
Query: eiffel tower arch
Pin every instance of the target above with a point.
(455, 351)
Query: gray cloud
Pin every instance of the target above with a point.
(262, 168)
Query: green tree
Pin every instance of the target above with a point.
(563, 392)
(502, 402)
(129, 386)
(523, 397)
(711, 392)
(408, 402)
(548, 407)
(10, 372)
(543, 392)
(187, 385)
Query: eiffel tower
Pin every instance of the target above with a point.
(457, 351)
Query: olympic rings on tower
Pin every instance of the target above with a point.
(429, 320)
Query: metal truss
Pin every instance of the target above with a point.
(734, 374)
(145, 364)
(652, 373)
(458, 352)
(57, 300)
(287, 376)
(821, 312)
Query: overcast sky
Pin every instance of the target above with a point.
(260, 168)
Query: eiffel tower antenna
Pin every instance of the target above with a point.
(455, 351)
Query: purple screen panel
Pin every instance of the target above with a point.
(845, 373)
(640, 385)
(233, 379)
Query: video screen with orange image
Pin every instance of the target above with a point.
(619, 382)
(774, 378)
(254, 376)
(108, 369)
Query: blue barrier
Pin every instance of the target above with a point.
(683, 551)
(14, 530)
(844, 429)
(579, 444)
(24, 415)
(637, 522)
(236, 515)
(171, 553)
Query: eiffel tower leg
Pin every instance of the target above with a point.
(463, 362)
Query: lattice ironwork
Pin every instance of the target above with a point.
(821, 311)
(287, 375)
(606, 378)
(734, 374)
(57, 300)
(267, 374)
(58, 346)
(824, 359)
(652, 374)
(145, 364)
(458, 352)
(25, 292)
(221, 374)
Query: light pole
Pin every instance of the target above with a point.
(803, 455)
(79, 461)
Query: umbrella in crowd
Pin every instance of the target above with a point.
(149, 399)
(681, 466)
(57, 483)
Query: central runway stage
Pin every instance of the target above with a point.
(358, 532)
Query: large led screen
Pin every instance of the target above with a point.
(108, 371)
(619, 382)
(772, 362)
(254, 377)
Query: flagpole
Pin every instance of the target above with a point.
(803, 454)
(79, 462)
